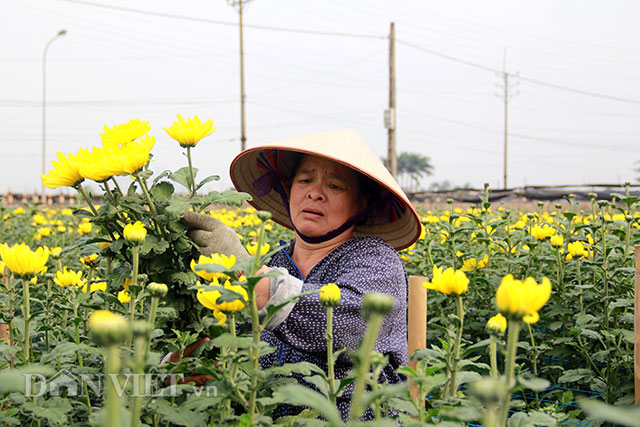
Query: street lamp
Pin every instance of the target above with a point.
(44, 98)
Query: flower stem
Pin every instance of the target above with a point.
(493, 356)
(375, 321)
(27, 319)
(330, 361)
(256, 327)
(192, 190)
(87, 199)
(140, 357)
(152, 324)
(152, 205)
(512, 343)
(135, 251)
(110, 193)
(456, 349)
(112, 367)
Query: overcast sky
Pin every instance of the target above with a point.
(322, 65)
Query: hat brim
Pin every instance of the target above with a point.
(344, 147)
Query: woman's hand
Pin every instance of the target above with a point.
(263, 289)
(196, 377)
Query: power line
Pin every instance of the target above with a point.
(217, 22)
(527, 79)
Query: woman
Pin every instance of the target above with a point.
(349, 217)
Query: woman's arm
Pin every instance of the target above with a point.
(370, 268)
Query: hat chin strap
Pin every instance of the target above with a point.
(338, 231)
(383, 207)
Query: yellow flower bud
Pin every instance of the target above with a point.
(497, 324)
(135, 233)
(330, 295)
(377, 303)
(108, 328)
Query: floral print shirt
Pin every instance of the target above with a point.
(359, 266)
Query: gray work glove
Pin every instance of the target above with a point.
(212, 236)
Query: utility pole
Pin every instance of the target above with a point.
(243, 127)
(390, 114)
(44, 105)
(506, 95)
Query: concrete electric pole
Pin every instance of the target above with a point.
(390, 114)
(507, 94)
(243, 127)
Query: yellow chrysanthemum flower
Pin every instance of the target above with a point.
(210, 298)
(189, 132)
(497, 324)
(124, 296)
(220, 259)
(330, 295)
(95, 286)
(90, 261)
(473, 264)
(252, 248)
(39, 219)
(124, 133)
(556, 240)
(108, 328)
(65, 172)
(541, 232)
(101, 164)
(66, 278)
(84, 228)
(135, 233)
(222, 318)
(576, 250)
(520, 300)
(136, 154)
(2, 268)
(448, 281)
(22, 261)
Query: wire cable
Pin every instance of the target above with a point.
(217, 22)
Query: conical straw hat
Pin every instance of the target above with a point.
(399, 224)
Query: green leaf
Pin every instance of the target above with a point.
(186, 278)
(162, 191)
(16, 379)
(177, 207)
(590, 334)
(207, 180)
(467, 377)
(65, 350)
(402, 405)
(153, 243)
(320, 382)
(520, 419)
(533, 383)
(53, 410)
(183, 177)
(627, 416)
(298, 395)
(178, 415)
(228, 197)
(573, 375)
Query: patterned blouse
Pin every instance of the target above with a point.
(359, 266)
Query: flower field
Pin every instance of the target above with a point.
(530, 313)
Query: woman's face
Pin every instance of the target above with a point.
(324, 195)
